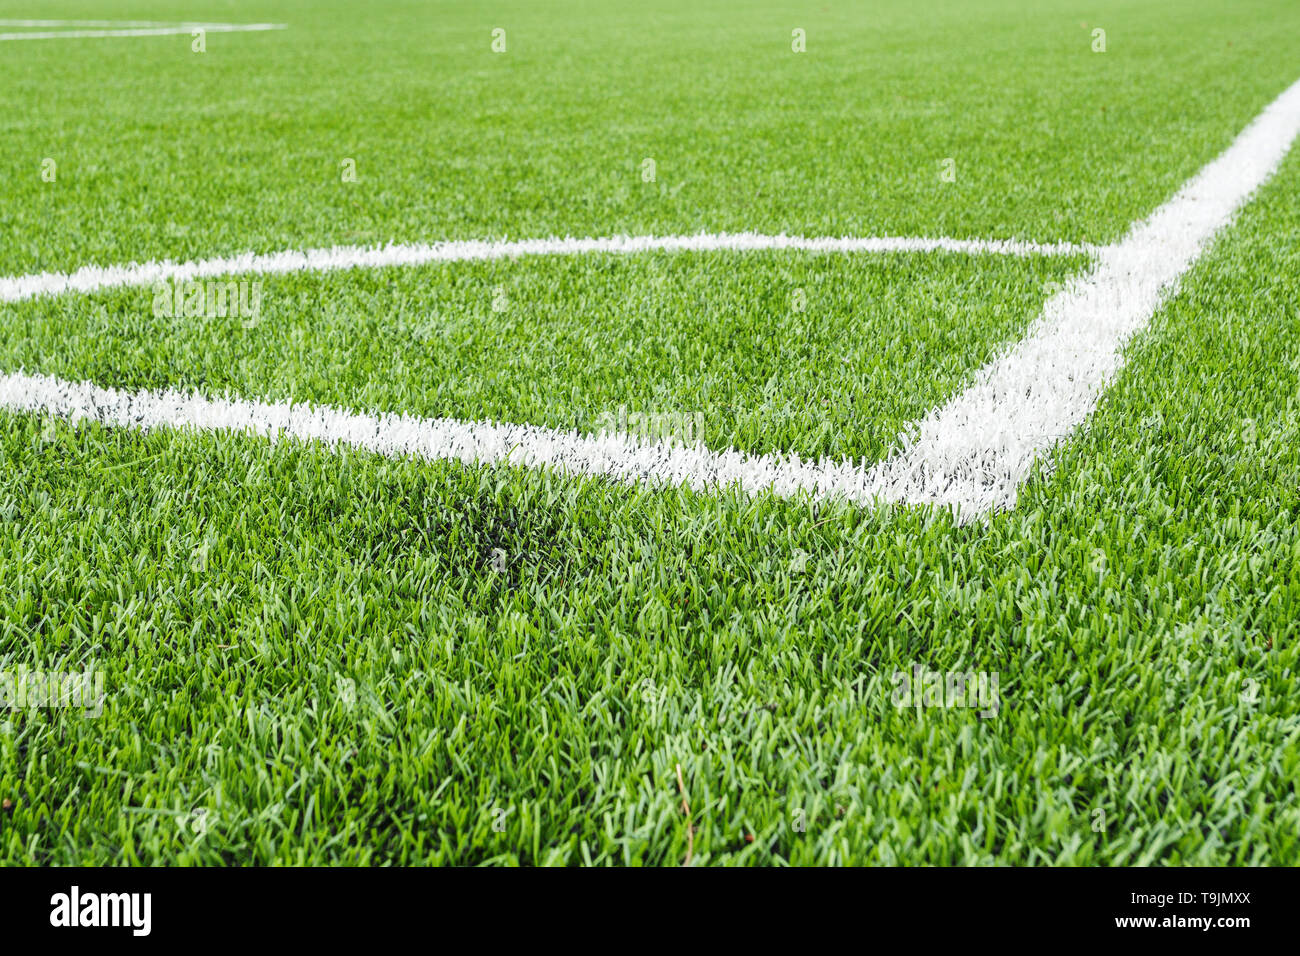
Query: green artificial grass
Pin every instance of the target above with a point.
(819, 354)
(1138, 607)
(314, 655)
(161, 152)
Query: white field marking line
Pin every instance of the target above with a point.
(620, 457)
(92, 278)
(6, 22)
(969, 454)
(973, 452)
(140, 31)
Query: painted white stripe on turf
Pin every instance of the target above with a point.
(92, 278)
(973, 452)
(970, 454)
(153, 31)
(618, 457)
(6, 22)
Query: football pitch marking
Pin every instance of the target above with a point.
(620, 457)
(973, 452)
(969, 454)
(9, 22)
(123, 28)
(93, 278)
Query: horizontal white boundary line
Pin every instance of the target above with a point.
(973, 452)
(8, 22)
(618, 457)
(93, 278)
(153, 31)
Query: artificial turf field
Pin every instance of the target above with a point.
(318, 654)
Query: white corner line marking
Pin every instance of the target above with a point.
(973, 452)
(618, 457)
(93, 278)
(970, 454)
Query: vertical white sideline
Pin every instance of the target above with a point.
(973, 452)
(970, 454)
